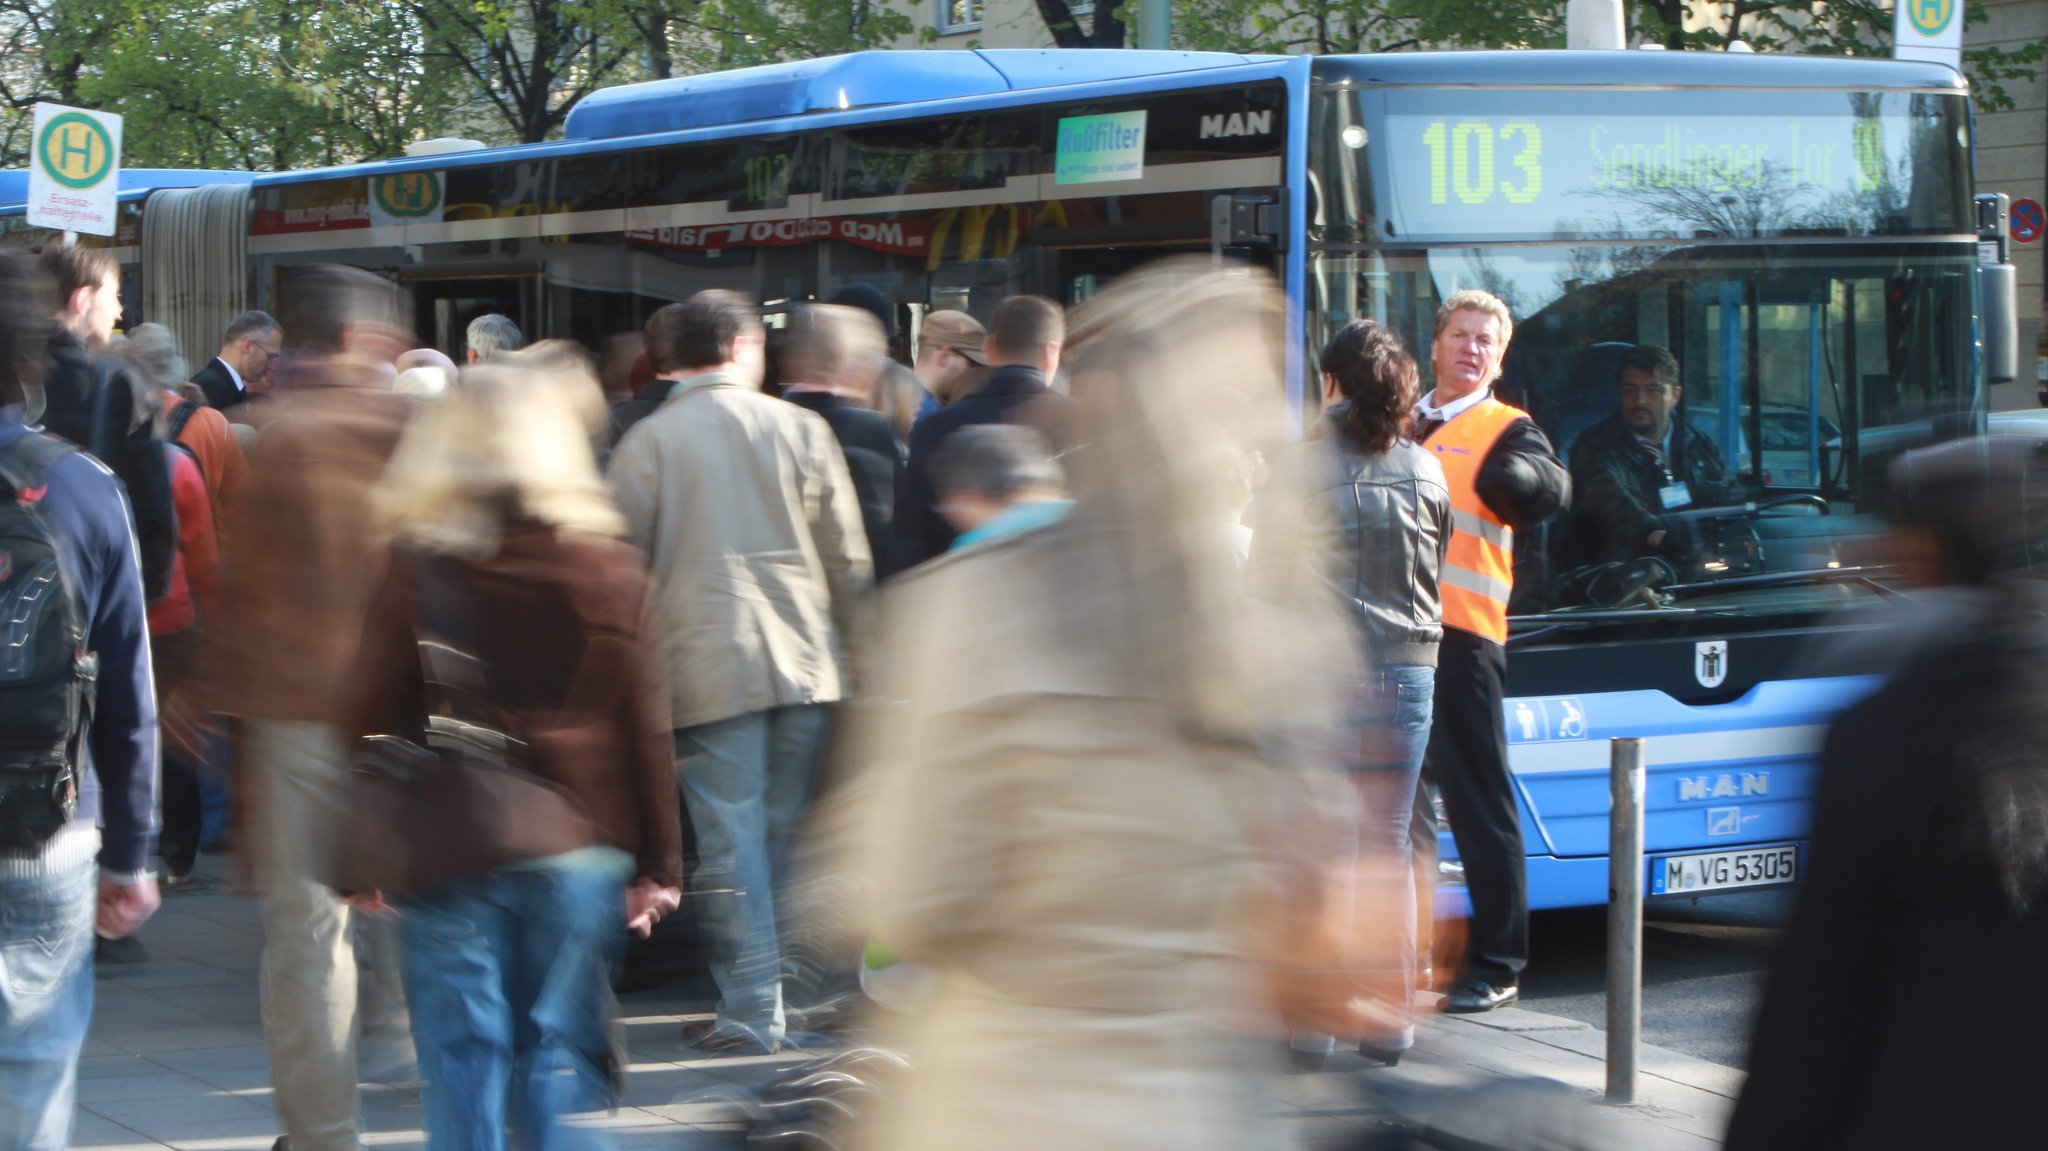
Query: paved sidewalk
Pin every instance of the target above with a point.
(176, 1059)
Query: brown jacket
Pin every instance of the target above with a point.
(559, 622)
(301, 572)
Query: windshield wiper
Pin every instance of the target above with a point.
(1866, 574)
(1566, 619)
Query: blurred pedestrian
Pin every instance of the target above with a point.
(100, 408)
(619, 352)
(996, 480)
(822, 359)
(747, 514)
(892, 388)
(301, 587)
(203, 431)
(423, 373)
(949, 356)
(649, 393)
(503, 524)
(73, 863)
(1929, 853)
(1358, 514)
(1062, 791)
(1023, 348)
(251, 344)
(150, 354)
(1504, 477)
(490, 336)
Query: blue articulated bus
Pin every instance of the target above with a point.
(1800, 233)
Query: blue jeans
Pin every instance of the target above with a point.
(1389, 731)
(509, 982)
(1391, 717)
(745, 781)
(46, 931)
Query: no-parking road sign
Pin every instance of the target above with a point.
(74, 176)
(2027, 220)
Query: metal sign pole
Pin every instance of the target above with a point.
(1624, 919)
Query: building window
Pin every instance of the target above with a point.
(959, 16)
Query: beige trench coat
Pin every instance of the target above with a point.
(1043, 836)
(744, 508)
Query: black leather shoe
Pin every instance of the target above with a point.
(1471, 996)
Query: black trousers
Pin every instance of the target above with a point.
(171, 658)
(1468, 761)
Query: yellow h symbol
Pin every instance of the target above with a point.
(75, 140)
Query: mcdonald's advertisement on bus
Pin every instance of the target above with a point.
(74, 177)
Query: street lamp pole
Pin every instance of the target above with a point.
(1155, 24)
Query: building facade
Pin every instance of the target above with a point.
(2012, 157)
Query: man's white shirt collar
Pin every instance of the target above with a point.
(1451, 411)
(233, 375)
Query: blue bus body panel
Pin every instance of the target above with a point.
(1226, 70)
(1718, 776)
(858, 80)
(134, 181)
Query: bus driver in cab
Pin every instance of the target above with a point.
(1642, 463)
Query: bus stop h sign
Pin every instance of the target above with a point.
(74, 178)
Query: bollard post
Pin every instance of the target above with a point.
(1624, 919)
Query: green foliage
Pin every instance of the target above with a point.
(268, 84)
(1813, 27)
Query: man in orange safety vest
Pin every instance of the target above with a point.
(1503, 475)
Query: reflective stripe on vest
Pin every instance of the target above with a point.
(1479, 570)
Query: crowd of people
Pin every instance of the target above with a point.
(1104, 710)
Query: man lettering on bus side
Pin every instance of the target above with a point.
(252, 342)
(744, 508)
(1642, 463)
(1503, 475)
(1023, 349)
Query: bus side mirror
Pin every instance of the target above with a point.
(1999, 288)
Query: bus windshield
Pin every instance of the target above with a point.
(1801, 368)
(1799, 261)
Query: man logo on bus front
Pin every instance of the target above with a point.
(1710, 662)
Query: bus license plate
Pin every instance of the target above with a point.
(1770, 865)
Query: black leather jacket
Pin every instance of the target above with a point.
(1371, 529)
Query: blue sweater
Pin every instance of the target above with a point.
(87, 509)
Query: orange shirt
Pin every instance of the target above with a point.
(220, 462)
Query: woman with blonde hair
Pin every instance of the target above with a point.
(1060, 820)
(507, 555)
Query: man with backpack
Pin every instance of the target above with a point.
(78, 742)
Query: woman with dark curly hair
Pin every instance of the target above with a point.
(1358, 513)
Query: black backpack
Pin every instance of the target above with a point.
(47, 676)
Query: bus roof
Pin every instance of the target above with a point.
(838, 87)
(134, 181)
(859, 80)
(1635, 69)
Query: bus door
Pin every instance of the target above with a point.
(443, 306)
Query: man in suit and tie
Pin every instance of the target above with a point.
(252, 342)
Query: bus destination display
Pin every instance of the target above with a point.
(1510, 173)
